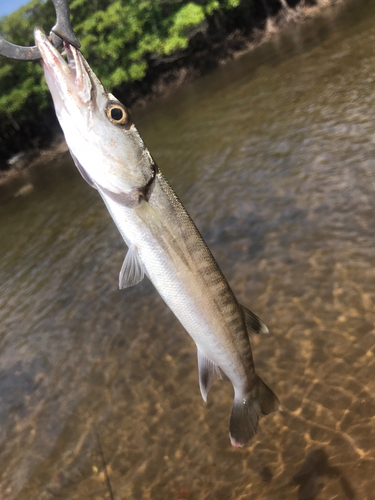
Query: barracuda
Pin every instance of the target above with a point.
(163, 241)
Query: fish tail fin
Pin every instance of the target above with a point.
(247, 410)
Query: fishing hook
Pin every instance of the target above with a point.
(61, 31)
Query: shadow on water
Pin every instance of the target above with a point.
(312, 474)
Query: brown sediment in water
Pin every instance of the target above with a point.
(169, 77)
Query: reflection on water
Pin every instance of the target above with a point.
(273, 156)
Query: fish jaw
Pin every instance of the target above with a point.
(69, 83)
(113, 157)
(71, 94)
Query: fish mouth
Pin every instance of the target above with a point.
(61, 73)
(75, 63)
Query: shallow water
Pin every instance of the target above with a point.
(273, 155)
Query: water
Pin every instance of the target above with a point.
(273, 155)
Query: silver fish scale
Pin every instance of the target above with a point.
(207, 276)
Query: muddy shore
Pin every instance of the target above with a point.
(172, 74)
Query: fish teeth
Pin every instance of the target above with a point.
(72, 64)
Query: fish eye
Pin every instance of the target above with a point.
(117, 113)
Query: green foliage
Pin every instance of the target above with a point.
(119, 38)
(22, 86)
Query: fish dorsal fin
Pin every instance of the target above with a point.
(82, 171)
(208, 373)
(132, 271)
(254, 325)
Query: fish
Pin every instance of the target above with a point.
(163, 241)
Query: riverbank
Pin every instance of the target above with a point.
(170, 74)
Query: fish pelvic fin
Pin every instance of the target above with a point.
(208, 373)
(132, 270)
(247, 410)
(254, 325)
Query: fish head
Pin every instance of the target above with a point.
(97, 127)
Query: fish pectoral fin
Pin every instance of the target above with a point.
(132, 270)
(82, 171)
(254, 325)
(208, 373)
(147, 213)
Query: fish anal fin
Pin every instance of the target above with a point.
(254, 325)
(248, 409)
(132, 270)
(208, 373)
(82, 171)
